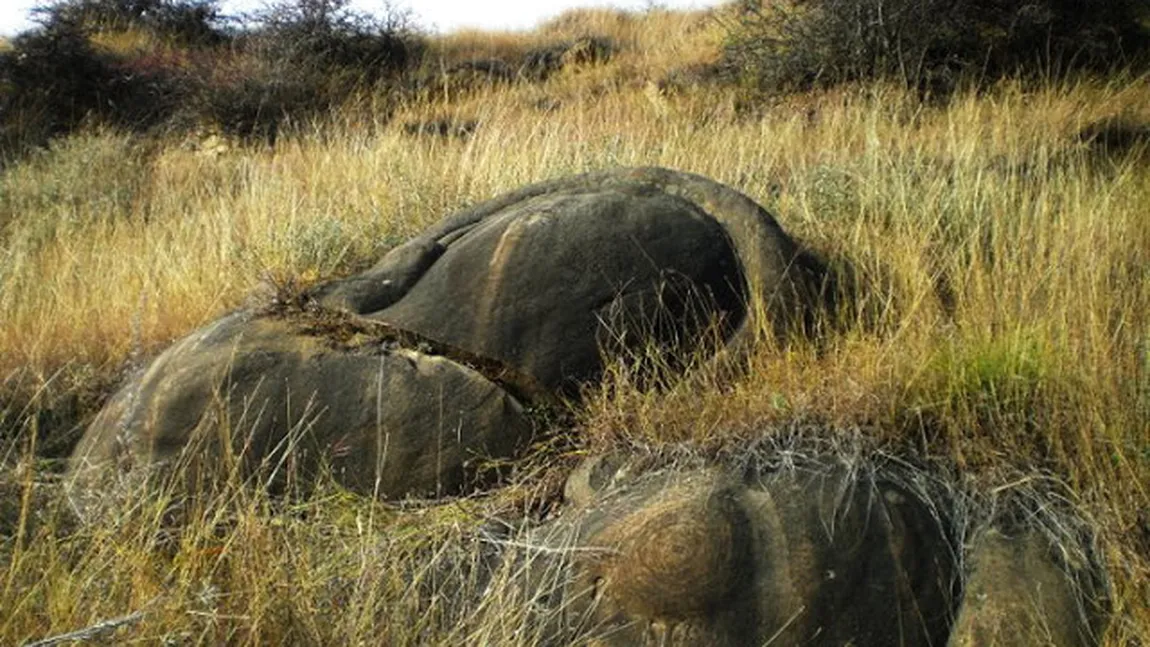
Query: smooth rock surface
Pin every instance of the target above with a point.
(705, 557)
(545, 277)
(1020, 592)
(279, 399)
(401, 378)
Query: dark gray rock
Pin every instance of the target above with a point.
(279, 398)
(708, 557)
(546, 277)
(401, 378)
(817, 554)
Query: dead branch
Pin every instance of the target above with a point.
(88, 633)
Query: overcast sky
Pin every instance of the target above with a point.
(440, 15)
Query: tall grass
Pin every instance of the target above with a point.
(1000, 324)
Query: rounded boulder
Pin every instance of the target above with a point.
(710, 556)
(279, 399)
(546, 278)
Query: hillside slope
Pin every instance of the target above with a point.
(996, 247)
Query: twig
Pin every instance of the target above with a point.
(549, 550)
(88, 633)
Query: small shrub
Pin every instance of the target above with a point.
(70, 184)
(1007, 390)
(930, 44)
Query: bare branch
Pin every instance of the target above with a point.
(88, 633)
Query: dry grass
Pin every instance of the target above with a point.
(126, 42)
(652, 44)
(1002, 324)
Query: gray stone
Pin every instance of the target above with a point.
(280, 398)
(400, 379)
(707, 557)
(546, 277)
(817, 554)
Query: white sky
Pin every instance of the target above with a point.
(437, 15)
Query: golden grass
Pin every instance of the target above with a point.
(126, 42)
(651, 43)
(1002, 323)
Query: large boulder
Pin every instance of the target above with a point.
(400, 378)
(280, 398)
(715, 557)
(546, 277)
(822, 553)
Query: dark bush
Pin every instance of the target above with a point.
(329, 35)
(297, 59)
(187, 22)
(288, 62)
(291, 61)
(249, 99)
(930, 44)
(52, 80)
(193, 22)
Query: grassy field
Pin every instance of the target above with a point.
(1003, 328)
